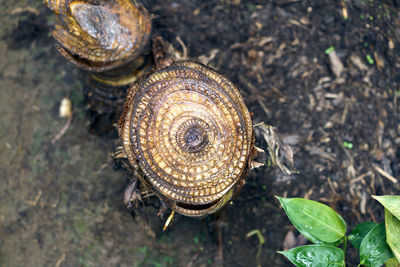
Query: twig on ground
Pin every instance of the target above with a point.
(184, 48)
(363, 202)
(36, 200)
(385, 174)
(254, 91)
(65, 112)
(360, 177)
(219, 254)
(60, 260)
(332, 186)
(371, 213)
(63, 131)
(193, 260)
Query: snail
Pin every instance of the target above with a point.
(189, 132)
(108, 40)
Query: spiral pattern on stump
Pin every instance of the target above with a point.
(188, 129)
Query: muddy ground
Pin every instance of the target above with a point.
(61, 202)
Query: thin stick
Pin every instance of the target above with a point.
(332, 186)
(35, 201)
(63, 131)
(184, 48)
(60, 260)
(358, 178)
(219, 254)
(385, 174)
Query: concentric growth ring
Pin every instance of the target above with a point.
(188, 129)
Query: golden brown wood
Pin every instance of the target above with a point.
(108, 39)
(100, 35)
(188, 130)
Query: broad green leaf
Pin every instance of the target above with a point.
(359, 232)
(334, 244)
(374, 250)
(392, 262)
(393, 233)
(315, 256)
(392, 203)
(316, 221)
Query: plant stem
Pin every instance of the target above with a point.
(345, 244)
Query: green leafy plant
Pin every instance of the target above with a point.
(378, 244)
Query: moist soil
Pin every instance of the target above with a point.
(61, 198)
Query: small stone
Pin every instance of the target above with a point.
(65, 108)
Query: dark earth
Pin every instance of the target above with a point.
(61, 199)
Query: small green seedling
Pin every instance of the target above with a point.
(370, 59)
(329, 50)
(261, 241)
(348, 145)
